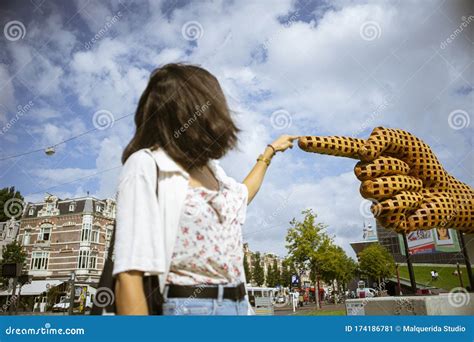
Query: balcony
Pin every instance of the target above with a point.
(42, 243)
(39, 273)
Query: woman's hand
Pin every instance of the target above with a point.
(283, 143)
(254, 179)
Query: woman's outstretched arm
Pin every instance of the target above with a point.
(254, 179)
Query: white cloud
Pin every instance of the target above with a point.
(7, 93)
(320, 70)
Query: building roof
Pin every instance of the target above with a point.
(81, 205)
(361, 245)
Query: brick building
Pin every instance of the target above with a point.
(266, 260)
(66, 236)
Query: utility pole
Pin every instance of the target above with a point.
(466, 261)
(398, 280)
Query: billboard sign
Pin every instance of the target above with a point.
(431, 241)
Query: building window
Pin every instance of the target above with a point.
(98, 208)
(83, 258)
(108, 234)
(49, 208)
(45, 233)
(86, 232)
(87, 259)
(31, 211)
(72, 206)
(93, 261)
(95, 234)
(26, 239)
(39, 260)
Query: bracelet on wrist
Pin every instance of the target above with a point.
(273, 148)
(261, 158)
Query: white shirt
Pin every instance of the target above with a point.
(147, 224)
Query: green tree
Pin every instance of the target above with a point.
(258, 275)
(303, 241)
(333, 264)
(248, 274)
(273, 274)
(375, 261)
(276, 273)
(9, 208)
(286, 272)
(13, 253)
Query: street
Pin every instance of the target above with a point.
(310, 309)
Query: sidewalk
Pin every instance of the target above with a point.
(308, 309)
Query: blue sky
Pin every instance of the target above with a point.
(287, 67)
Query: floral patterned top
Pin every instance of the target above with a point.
(208, 246)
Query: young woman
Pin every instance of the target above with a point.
(179, 215)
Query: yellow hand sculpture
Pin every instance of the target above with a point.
(408, 186)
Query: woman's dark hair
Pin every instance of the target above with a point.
(183, 111)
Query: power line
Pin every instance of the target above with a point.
(75, 180)
(61, 142)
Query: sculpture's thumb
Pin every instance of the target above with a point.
(375, 145)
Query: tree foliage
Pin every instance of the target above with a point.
(273, 275)
(288, 269)
(258, 274)
(5, 195)
(303, 240)
(311, 249)
(13, 253)
(248, 274)
(333, 263)
(375, 261)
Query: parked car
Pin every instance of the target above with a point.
(63, 305)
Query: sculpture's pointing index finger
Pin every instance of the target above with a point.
(334, 146)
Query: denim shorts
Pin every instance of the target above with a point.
(204, 306)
